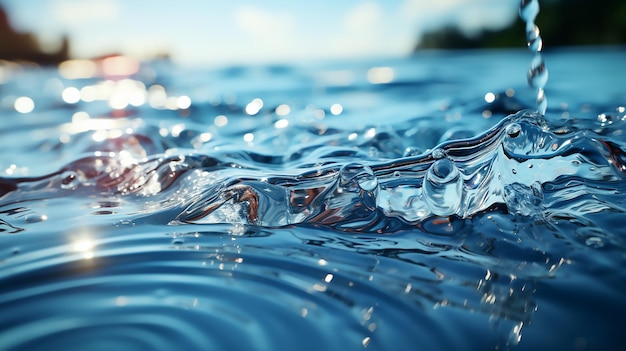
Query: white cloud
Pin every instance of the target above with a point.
(369, 29)
(264, 33)
(74, 13)
(361, 32)
(469, 15)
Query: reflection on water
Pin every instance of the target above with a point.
(416, 202)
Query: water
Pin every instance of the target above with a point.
(392, 204)
(538, 73)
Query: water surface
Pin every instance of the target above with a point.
(409, 203)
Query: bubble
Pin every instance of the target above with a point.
(35, 218)
(594, 242)
(178, 241)
(70, 180)
(442, 188)
(513, 130)
(411, 151)
(354, 177)
(438, 154)
(522, 199)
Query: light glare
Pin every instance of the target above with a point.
(24, 104)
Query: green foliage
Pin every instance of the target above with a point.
(562, 23)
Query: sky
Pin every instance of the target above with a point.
(223, 32)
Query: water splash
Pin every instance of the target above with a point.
(508, 164)
(538, 73)
(409, 216)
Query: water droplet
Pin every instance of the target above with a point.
(411, 151)
(542, 102)
(70, 180)
(438, 154)
(535, 43)
(538, 73)
(353, 177)
(443, 188)
(178, 241)
(594, 242)
(35, 218)
(513, 170)
(528, 10)
(513, 130)
(522, 199)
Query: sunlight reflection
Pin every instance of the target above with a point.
(336, 109)
(490, 97)
(380, 75)
(157, 96)
(281, 123)
(283, 110)
(177, 129)
(88, 93)
(220, 121)
(85, 247)
(70, 95)
(81, 122)
(320, 114)
(78, 69)
(254, 106)
(24, 104)
(119, 66)
(183, 102)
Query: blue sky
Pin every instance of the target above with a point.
(219, 32)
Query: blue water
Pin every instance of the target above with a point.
(413, 203)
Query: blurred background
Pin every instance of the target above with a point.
(218, 33)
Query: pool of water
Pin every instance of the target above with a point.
(414, 203)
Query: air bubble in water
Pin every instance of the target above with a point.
(438, 154)
(443, 187)
(411, 151)
(513, 130)
(35, 218)
(70, 180)
(522, 199)
(353, 177)
(594, 242)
